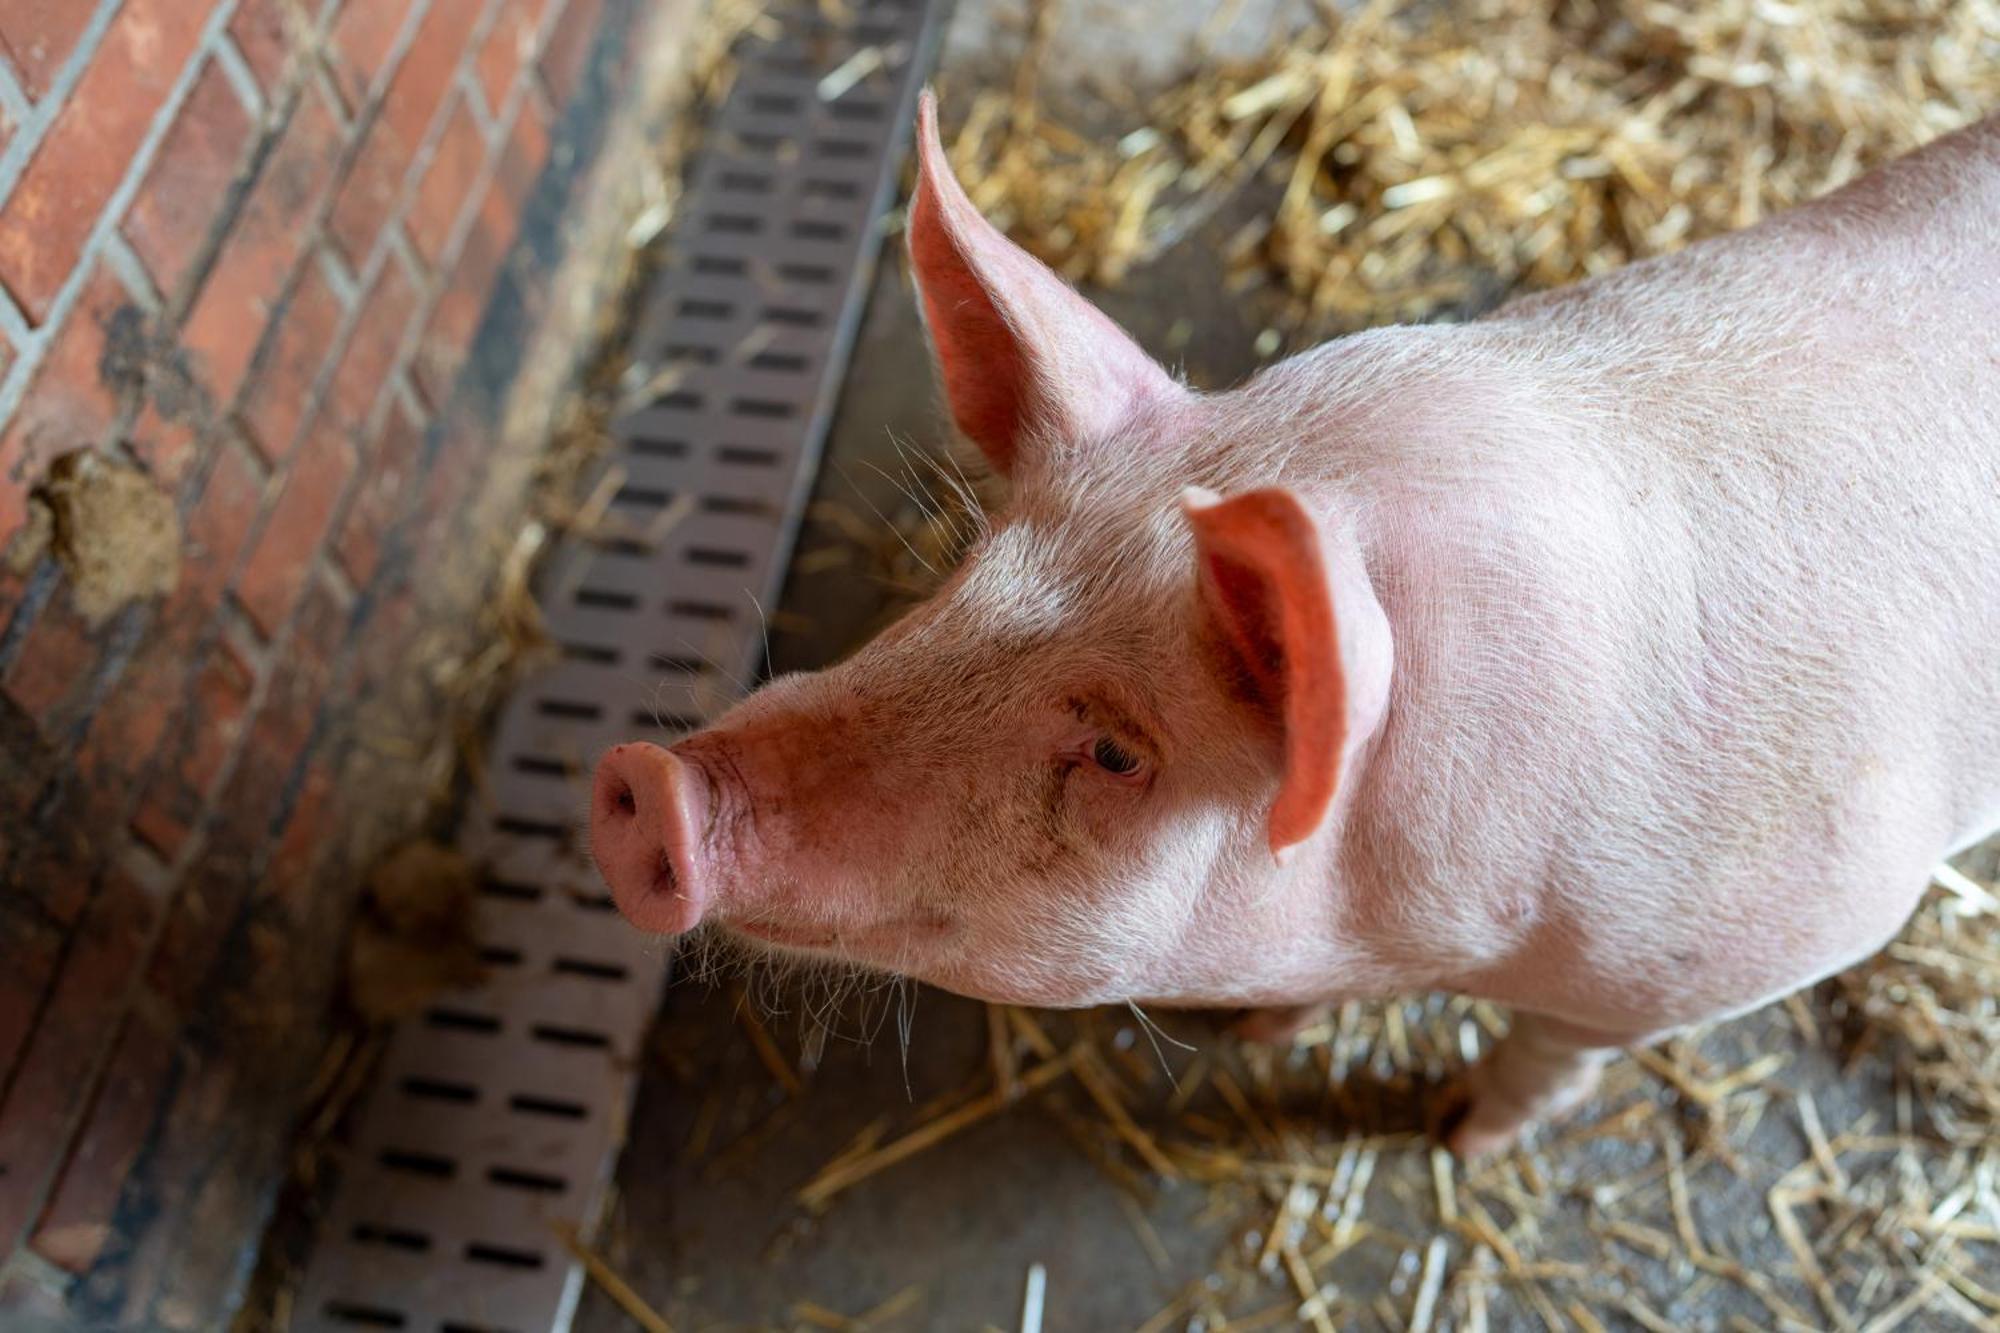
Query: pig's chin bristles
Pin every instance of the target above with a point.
(829, 997)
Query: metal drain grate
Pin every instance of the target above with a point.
(497, 1115)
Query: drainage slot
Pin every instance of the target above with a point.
(650, 496)
(454, 1326)
(593, 902)
(735, 224)
(745, 182)
(788, 361)
(462, 1020)
(831, 189)
(729, 504)
(692, 666)
(814, 273)
(693, 353)
(774, 104)
(540, 766)
(570, 708)
(674, 722)
(768, 408)
(549, 1106)
(817, 229)
(593, 653)
(520, 893)
(659, 448)
(499, 955)
(596, 971)
(479, 1253)
(526, 1180)
(415, 1241)
(562, 1036)
(699, 610)
(696, 308)
(744, 456)
(522, 827)
(847, 148)
(418, 1163)
(368, 1316)
(793, 315)
(721, 265)
(438, 1090)
(854, 108)
(610, 599)
(709, 555)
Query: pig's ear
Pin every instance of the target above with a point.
(1021, 354)
(1291, 609)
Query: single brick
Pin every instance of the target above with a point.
(37, 36)
(54, 666)
(447, 186)
(77, 1022)
(281, 558)
(274, 406)
(86, 151)
(178, 795)
(250, 799)
(237, 298)
(309, 830)
(367, 200)
(262, 30)
(29, 952)
(372, 349)
(217, 527)
(132, 721)
(566, 56)
(90, 369)
(188, 185)
(508, 49)
(78, 1219)
(522, 157)
(367, 197)
(215, 718)
(428, 67)
(358, 49)
(386, 478)
(164, 444)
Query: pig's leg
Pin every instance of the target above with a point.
(1280, 1025)
(1542, 1069)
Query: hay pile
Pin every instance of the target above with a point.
(1428, 155)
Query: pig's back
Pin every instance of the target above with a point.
(1698, 619)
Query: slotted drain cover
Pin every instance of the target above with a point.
(497, 1115)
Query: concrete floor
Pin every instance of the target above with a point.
(707, 1227)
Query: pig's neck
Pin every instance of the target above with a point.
(1464, 461)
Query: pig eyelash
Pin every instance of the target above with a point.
(1111, 757)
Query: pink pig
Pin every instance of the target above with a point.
(1627, 657)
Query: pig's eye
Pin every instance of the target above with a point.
(1114, 758)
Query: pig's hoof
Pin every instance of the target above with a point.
(1277, 1027)
(1468, 1130)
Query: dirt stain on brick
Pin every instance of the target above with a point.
(114, 532)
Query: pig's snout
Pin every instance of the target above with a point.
(646, 814)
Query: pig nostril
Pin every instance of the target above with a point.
(623, 802)
(665, 880)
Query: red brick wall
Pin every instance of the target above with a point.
(259, 251)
